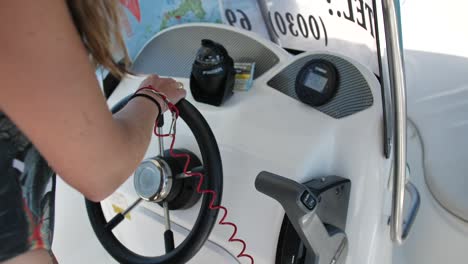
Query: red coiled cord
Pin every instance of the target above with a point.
(223, 221)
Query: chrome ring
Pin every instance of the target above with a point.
(153, 180)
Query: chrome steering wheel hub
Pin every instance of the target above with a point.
(153, 180)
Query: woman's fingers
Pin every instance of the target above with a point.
(174, 90)
(171, 88)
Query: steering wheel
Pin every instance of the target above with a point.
(160, 180)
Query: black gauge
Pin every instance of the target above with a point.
(317, 82)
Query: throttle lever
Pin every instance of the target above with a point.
(301, 205)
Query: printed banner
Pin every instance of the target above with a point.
(343, 26)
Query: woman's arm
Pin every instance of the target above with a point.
(49, 90)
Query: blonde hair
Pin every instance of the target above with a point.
(99, 25)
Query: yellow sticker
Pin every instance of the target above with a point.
(119, 210)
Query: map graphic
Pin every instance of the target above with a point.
(145, 18)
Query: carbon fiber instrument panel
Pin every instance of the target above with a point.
(353, 93)
(173, 52)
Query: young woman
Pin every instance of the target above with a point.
(54, 118)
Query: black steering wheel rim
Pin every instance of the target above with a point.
(206, 219)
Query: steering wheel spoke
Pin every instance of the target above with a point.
(181, 176)
(168, 234)
(118, 219)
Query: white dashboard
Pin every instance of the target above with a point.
(263, 129)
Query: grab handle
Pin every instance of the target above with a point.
(413, 211)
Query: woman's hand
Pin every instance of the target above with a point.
(173, 90)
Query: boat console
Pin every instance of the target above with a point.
(300, 161)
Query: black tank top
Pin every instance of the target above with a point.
(27, 194)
